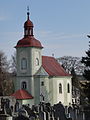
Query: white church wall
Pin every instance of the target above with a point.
(29, 102)
(64, 97)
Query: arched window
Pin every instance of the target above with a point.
(24, 63)
(60, 88)
(24, 85)
(26, 32)
(37, 61)
(68, 88)
(42, 83)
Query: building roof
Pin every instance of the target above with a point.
(29, 41)
(28, 23)
(52, 67)
(22, 95)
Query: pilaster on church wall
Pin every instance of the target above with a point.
(34, 55)
(67, 96)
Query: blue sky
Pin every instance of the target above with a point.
(61, 25)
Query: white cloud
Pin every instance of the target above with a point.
(58, 36)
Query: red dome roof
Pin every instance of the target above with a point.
(28, 23)
(29, 41)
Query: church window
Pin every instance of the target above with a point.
(68, 88)
(60, 88)
(42, 83)
(24, 63)
(24, 85)
(37, 61)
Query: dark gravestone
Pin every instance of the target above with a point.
(87, 112)
(41, 115)
(32, 118)
(8, 111)
(59, 111)
(7, 103)
(41, 106)
(70, 112)
(21, 117)
(4, 117)
(48, 107)
(16, 106)
(2, 105)
(11, 108)
(51, 117)
(47, 115)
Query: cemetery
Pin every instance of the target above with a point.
(11, 110)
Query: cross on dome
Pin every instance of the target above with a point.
(28, 25)
(28, 12)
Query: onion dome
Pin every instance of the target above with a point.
(28, 23)
(28, 27)
(29, 41)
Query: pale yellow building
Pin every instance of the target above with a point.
(39, 77)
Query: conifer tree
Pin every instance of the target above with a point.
(86, 74)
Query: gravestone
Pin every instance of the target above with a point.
(70, 112)
(21, 117)
(32, 118)
(41, 115)
(16, 106)
(5, 117)
(47, 115)
(2, 105)
(59, 111)
(7, 103)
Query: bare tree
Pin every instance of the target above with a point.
(72, 63)
(5, 79)
(13, 64)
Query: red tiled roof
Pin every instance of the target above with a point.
(52, 67)
(22, 94)
(29, 41)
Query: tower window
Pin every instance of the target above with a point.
(37, 61)
(60, 88)
(24, 63)
(68, 88)
(42, 83)
(24, 85)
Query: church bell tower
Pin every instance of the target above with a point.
(28, 58)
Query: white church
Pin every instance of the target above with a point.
(39, 78)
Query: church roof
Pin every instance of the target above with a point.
(52, 67)
(29, 41)
(22, 95)
(28, 23)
